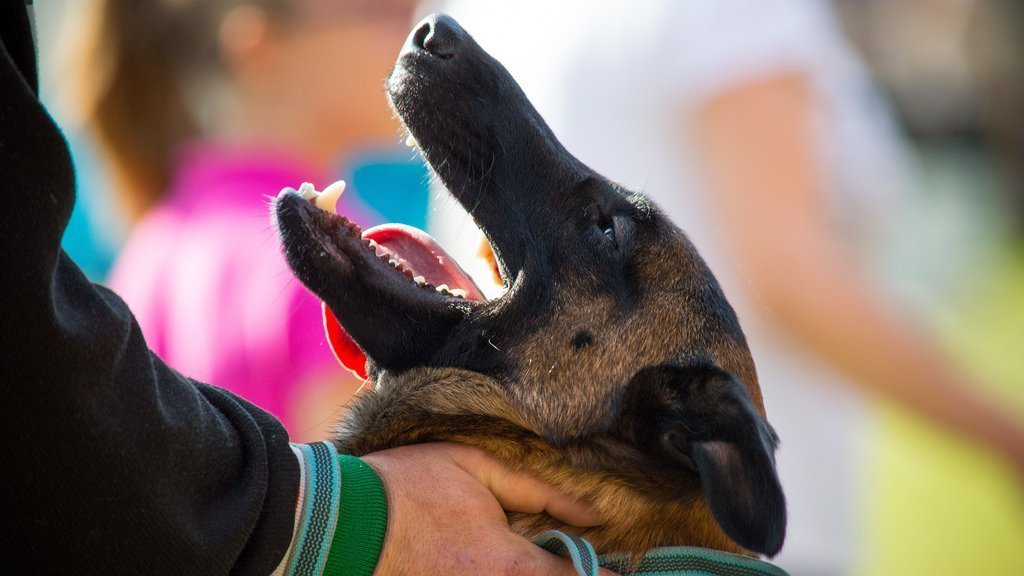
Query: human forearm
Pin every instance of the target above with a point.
(764, 171)
(112, 462)
(830, 309)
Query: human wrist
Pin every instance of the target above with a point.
(362, 520)
(341, 515)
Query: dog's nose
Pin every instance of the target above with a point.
(437, 34)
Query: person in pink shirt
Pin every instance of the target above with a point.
(205, 109)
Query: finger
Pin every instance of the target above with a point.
(572, 511)
(520, 492)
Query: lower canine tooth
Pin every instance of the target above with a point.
(328, 199)
(442, 287)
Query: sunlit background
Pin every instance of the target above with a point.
(953, 71)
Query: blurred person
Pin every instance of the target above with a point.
(755, 126)
(204, 110)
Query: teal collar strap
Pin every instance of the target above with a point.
(675, 560)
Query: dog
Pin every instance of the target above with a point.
(612, 367)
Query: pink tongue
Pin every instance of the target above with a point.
(416, 250)
(421, 253)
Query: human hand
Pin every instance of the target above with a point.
(446, 514)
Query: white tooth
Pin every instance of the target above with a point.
(441, 287)
(419, 279)
(410, 141)
(328, 199)
(372, 245)
(393, 262)
(307, 191)
(459, 292)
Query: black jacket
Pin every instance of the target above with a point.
(112, 463)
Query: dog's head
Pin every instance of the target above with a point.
(611, 325)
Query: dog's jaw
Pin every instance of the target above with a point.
(364, 286)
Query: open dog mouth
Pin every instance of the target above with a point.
(398, 259)
(406, 249)
(397, 293)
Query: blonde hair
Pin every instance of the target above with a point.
(136, 65)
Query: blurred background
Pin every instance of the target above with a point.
(927, 500)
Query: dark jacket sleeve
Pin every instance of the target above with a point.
(112, 463)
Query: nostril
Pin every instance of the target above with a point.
(437, 36)
(419, 37)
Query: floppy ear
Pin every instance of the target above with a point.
(702, 419)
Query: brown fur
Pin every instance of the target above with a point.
(444, 404)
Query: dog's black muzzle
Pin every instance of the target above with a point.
(485, 141)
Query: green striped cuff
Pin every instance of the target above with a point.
(341, 515)
(362, 521)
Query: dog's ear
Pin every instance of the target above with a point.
(701, 419)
